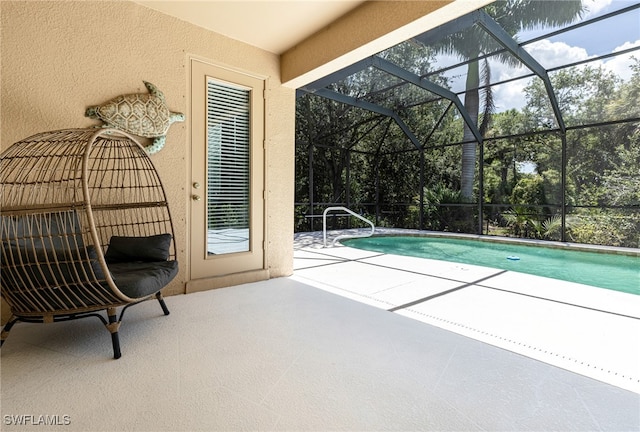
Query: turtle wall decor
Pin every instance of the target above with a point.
(142, 114)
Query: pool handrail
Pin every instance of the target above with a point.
(342, 236)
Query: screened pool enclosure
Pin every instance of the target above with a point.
(519, 119)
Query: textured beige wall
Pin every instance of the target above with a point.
(58, 57)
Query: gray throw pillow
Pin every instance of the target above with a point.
(132, 249)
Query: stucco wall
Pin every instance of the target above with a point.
(58, 57)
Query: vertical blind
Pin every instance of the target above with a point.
(228, 156)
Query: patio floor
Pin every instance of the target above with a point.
(284, 355)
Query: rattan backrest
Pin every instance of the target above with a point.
(64, 194)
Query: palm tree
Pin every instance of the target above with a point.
(513, 16)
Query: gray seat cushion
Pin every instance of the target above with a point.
(140, 279)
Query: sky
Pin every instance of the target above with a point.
(606, 36)
(619, 30)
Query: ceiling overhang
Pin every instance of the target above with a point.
(365, 31)
(316, 37)
(271, 25)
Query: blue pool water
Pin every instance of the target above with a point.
(605, 270)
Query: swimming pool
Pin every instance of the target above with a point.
(620, 272)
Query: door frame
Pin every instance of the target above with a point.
(240, 267)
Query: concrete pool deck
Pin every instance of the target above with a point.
(586, 330)
(288, 354)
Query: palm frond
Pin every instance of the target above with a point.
(517, 15)
(532, 14)
(552, 225)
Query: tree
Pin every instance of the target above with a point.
(514, 16)
(354, 152)
(501, 156)
(584, 94)
(602, 182)
(623, 178)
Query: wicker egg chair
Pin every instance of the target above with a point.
(85, 228)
